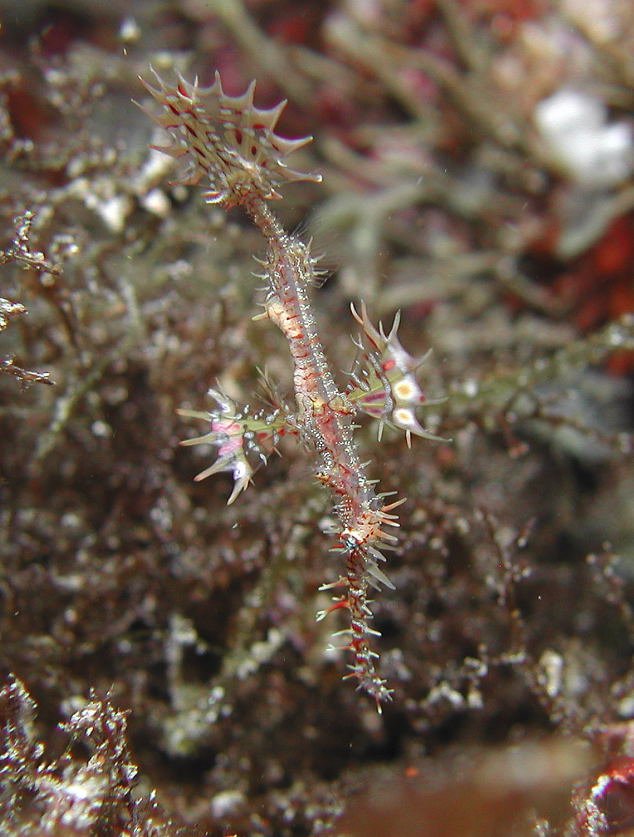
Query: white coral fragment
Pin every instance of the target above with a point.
(590, 151)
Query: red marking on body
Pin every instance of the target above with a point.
(338, 605)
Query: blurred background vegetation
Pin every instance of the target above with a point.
(477, 160)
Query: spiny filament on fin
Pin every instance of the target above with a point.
(387, 389)
(239, 437)
(231, 144)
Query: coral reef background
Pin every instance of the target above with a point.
(162, 669)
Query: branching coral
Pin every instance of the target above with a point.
(444, 197)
